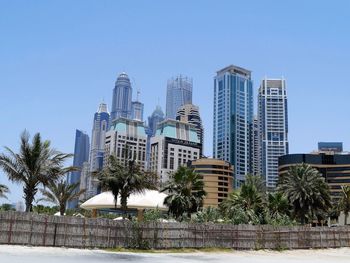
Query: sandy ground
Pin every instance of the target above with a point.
(14, 254)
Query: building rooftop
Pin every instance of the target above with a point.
(235, 70)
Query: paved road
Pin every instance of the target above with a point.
(19, 254)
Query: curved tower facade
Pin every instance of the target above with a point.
(190, 113)
(122, 95)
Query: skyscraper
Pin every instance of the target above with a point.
(233, 119)
(81, 155)
(99, 128)
(137, 110)
(156, 117)
(122, 95)
(179, 92)
(256, 148)
(273, 127)
(153, 120)
(190, 113)
(98, 135)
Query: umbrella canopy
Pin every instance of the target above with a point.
(150, 199)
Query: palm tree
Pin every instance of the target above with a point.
(3, 191)
(278, 204)
(306, 190)
(36, 163)
(124, 179)
(344, 202)
(257, 182)
(185, 192)
(247, 202)
(59, 193)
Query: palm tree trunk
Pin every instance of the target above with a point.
(62, 209)
(29, 198)
(123, 204)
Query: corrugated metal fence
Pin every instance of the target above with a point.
(44, 230)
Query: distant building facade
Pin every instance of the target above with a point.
(233, 120)
(153, 120)
(218, 177)
(335, 168)
(127, 140)
(81, 155)
(174, 144)
(179, 92)
(256, 148)
(336, 147)
(137, 110)
(121, 97)
(273, 127)
(190, 113)
(98, 136)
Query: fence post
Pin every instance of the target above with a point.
(109, 234)
(54, 235)
(10, 232)
(44, 238)
(31, 231)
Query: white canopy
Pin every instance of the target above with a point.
(150, 199)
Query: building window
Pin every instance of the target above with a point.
(171, 163)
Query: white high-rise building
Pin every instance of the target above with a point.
(273, 127)
(256, 148)
(175, 144)
(127, 140)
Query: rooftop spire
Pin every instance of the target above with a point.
(102, 107)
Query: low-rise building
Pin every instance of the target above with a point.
(218, 178)
(335, 168)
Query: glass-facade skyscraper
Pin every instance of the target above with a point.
(81, 155)
(273, 127)
(179, 92)
(121, 98)
(233, 120)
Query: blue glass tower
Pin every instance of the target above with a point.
(81, 155)
(121, 99)
(179, 92)
(233, 120)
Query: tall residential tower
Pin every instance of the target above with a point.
(121, 100)
(273, 127)
(233, 119)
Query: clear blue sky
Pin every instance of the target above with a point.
(59, 59)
